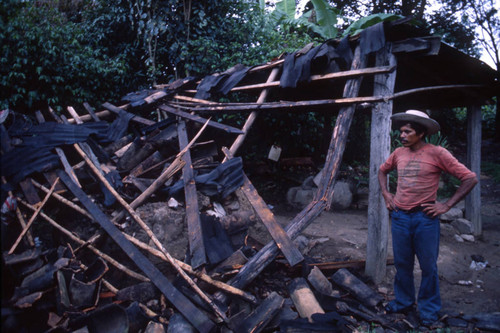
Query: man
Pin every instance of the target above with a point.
(414, 210)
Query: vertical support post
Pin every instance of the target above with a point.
(378, 216)
(196, 245)
(473, 199)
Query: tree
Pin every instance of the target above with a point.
(46, 59)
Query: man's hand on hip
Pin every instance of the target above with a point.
(435, 209)
(389, 200)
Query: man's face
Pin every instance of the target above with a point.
(409, 137)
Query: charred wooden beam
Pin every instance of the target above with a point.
(356, 287)
(261, 316)
(199, 320)
(304, 299)
(91, 112)
(324, 195)
(169, 172)
(153, 237)
(196, 246)
(20, 217)
(320, 282)
(248, 107)
(284, 243)
(72, 236)
(251, 118)
(33, 218)
(120, 110)
(329, 76)
(198, 119)
(204, 277)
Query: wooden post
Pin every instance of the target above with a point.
(378, 216)
(324, 196)
(196, 245)
(473, 199)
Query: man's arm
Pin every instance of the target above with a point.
(388, 196)
(439, 208)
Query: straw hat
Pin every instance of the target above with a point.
(420, 117)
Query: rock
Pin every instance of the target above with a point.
(304, 197)
(342, 195)
(468, 238)
(301, 242)
(447, 230)
(290, 195)
(458, 238)
(308, 183)
(463, 226)
(453, 214)
(317, 178)
(298, 197)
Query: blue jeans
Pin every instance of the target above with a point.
(416, 234)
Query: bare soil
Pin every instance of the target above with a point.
(342, 235)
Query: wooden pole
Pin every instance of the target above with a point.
(33, 217)
(380, 146)
(195, 236)
(150, 233)
(473, 199)
(20, 217)
(206, 278)
(63, 200)
(198, 318)
(325, 193)
(176, 165)
(90, 247)
(251, 118)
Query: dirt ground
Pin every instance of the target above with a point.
(342, 236)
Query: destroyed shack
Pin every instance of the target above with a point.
(104, 167)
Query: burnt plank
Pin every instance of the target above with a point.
(196, 246)
(29, 191)
(283, 241)
(198, 119)
(195, 316)
(303, 298)
(261, 316)
(137, 119)
(320, 283)
(356, 287)
(325, 192)
(91, 112)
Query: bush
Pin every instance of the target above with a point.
(48, 60)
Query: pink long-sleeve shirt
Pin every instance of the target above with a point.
(419, 172)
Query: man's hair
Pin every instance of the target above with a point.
(419, 128)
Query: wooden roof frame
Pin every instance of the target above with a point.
(389, 80)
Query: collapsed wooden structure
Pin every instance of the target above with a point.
(388, 67)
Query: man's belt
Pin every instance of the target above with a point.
(415, 209)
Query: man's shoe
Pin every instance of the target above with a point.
(392, 308)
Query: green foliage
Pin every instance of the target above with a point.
(47, 60)
(491, 169)
(365, 22)
(322, 20)
(437, 139)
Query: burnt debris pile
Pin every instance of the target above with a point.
(114, 222)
